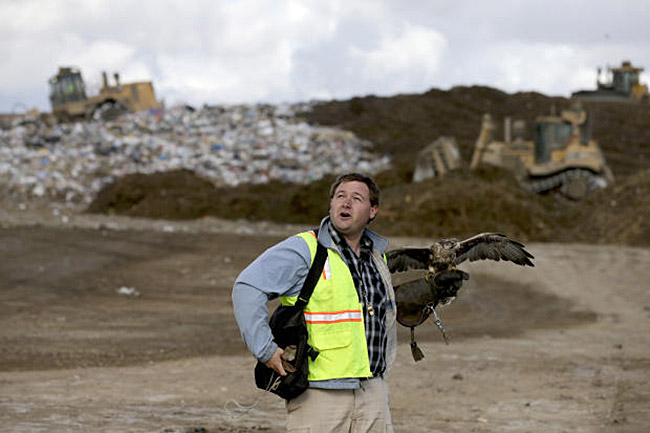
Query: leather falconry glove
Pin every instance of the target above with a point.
(417, 299)
(448, 283)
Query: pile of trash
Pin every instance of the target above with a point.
(228, 145)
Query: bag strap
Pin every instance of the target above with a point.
(313, 276)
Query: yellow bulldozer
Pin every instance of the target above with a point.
(620, 84)
(562, 157)
(70, 102)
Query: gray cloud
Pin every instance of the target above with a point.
(229, 51)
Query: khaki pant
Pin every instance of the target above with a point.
(341, 410)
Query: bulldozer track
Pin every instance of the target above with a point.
(562, 182)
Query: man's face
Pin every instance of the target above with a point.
(350, 208)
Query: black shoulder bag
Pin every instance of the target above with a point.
(290, 333)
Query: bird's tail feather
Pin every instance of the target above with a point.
(415, 349)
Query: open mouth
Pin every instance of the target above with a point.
(344, 214)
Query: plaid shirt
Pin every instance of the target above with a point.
(370, 288)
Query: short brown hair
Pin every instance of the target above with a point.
(358, 177)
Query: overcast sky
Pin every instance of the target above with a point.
(234, 51)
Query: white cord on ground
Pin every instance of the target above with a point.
(274, 382)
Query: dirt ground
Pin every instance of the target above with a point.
(562, 347)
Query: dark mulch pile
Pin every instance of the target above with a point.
(181, 194)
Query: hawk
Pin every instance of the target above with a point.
(417, 299)
(447, 253)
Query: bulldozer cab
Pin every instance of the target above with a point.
(625, 78)
(557, 132)
(67, 86)
(550, 136)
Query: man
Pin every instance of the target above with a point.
(350, 316)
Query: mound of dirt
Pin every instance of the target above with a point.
(181, 194)
(458, 204)
(466, 203)
(173, 195)
(619, 215)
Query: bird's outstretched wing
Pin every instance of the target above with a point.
(493, 246)
(403, 259)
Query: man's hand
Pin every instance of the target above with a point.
(449, 282)
(279, 363)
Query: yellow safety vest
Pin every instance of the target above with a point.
(334, 319)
